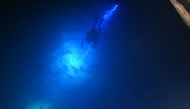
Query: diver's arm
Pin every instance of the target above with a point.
(183, 8)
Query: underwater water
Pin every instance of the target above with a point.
(71, 59)
(141, 60)
(74, 73)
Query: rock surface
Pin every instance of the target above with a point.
(183, 8)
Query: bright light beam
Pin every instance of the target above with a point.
(110, 12)
(74, 60)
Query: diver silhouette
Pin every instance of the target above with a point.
(93, 35)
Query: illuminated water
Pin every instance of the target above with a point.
(74, 68)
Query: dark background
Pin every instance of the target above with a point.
(148, 48)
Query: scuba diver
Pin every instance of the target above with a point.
(93, 35)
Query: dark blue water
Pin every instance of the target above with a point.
(141, 61)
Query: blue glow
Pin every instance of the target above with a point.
(75, 58)
(39, 105)
(72, 61)
(110, 12)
